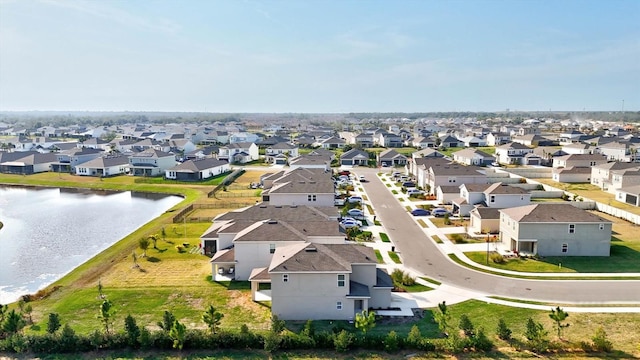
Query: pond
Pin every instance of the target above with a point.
(49, 232)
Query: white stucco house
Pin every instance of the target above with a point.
(195, 170)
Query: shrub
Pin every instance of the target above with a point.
(457, 238)
(414, 337)
(426, 345)
(480, 341)
(447, 221)
(342, 341)
(391, 342)
(466, 325)
(497, 258)
(272, 342)
(600, 341)
(503, 330)
(408, 280)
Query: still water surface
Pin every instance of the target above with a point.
(49, 232)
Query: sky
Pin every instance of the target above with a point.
(292, 56)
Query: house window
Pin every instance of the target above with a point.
(285, 277)
(341, 280)
(565, 248)
(311, 198)
(572, 229)
(452, 179)
(272, 248)
(339, 305)
(601, 226)
(492, 198)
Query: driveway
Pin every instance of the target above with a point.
(421, 254)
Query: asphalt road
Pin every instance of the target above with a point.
(421, 254)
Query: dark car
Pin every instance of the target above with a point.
(420, 212)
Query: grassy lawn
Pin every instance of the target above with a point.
(439, 222)
(384, 237)
(622, 329)
(415, 288)
(422, 223)
(625, 255)
(394, 257)
(379, 256)
(462, 239)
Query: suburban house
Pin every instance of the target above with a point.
(529, 139)
(602, 175)
(94, 143)
(445, 194)
(239, 152)
(109, 165)
(578, 174)
(449, 141)
(196, 170)
(364, 140)
(578, 148)
(332, 142)
(617, 151)
(280, 153)
(247, 238)
(629, 195)
(547, 154)
(512, 153)
(243, 137)
(496, 195)
(150, 162)
(554, 229)
(302, 186)
(454, 175)
(579, 160)
(621, 179)
(484, 220)
(67, 160)
(390, 157)
(355, 157)
(26, 163)
(473, 157)
(311, 161)
(388, 139)
(326, 282)
(498, 138)
(422, 142)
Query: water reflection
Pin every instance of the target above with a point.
(48, 232)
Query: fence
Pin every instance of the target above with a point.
(229, 194)
(227, 181)
(531, 173)
(180, 216)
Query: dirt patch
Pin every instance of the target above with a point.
(418, 314)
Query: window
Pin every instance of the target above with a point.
(285, 277)
(311, 198)
(341, 280)
(565, 248)
(272, 248)
(572, 229)
(339, 305)
(601, 226)
(492, 198)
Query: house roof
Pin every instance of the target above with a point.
(549, 212)
(456, 170)
(353, 153)
(391, 154)
(357, 289)
(487, 213)
(500, 188)
(224, 256)
(285, 213)
(258, 274)
(573, 170)
(152, 153)
(320, 258)
(513, 145)
(470, 153)
(192, 166)
(615, 165)
(105, 162)
(383, 279)
(579, 157)
(446, 189)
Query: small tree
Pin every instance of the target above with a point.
(600, 341)
(558, 316)
(134, 257)
(28, 311)
(536, 336)
(54, 323)
(365, 321)
(414, 337)
(106, 315)
(447, 221)
(167, 321)
(503, 330)
(442, 318)
(13, 323)
(309, 329)
(277, 325)
(212, 318)
(466, 325)
(342, 341)
(4, 309)
(177, 334)
(144, 243)
(132, 330)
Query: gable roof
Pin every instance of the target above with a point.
(504, 189)
(548, 212)
(320, 258)
(198, 165)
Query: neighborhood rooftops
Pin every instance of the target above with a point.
(553, 213)
(312, 257)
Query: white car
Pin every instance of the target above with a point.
(355, 212)
(350, 223)
(361, 178)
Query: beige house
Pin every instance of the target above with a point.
(247, 239)
(484, 219)
(579, 160)
(550, 229)
(301, 186)
(325, 282)
(602, 175)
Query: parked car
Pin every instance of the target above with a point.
(355, 199)
(408, 184)
(440, 212)
(348, 223)
(420, 212)
(355, 212)
(338, 202)
(414, 192)
(362, 178)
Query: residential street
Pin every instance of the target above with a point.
(423, 256)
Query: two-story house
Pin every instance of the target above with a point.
(239, 152)
(150, 162)
(473, 157)
(67, 160)
(579, 160)
(326, 282)
(512, 153)
(554, 229)
(301, 186)
(280, 153)
(602, 175)
(108, 165)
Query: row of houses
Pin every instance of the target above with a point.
(292, 240)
